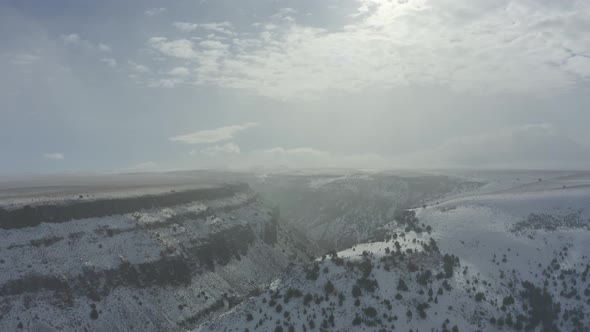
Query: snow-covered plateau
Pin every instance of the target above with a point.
(164, 261)
(339, 250)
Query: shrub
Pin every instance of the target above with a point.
(401, 285)
(313, 273)
(329, 287)
(356, 291)
(412, 267)
(479, 297)
(449, 263)
(421, 307)
(366, 267)
(542, 309)
(356, 321)
(508, 300)
(367, 284)
(370, 312)
(424, 277)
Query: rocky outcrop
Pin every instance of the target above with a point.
(338, 211)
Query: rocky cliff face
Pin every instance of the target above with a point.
(340, 210)
(157, 262)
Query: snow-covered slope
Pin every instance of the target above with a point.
(516, 259)
(127, 261)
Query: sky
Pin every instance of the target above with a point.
(125, 86)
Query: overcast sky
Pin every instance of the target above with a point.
(116, 85)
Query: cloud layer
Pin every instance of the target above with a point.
(347, 83)
(54, 156)
(213, 135)
(530, 146)
(485, 46)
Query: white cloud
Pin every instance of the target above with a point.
(225, 149)
(213, 44)
(180, 48)
(530, 146)
(185, 26)
(279, 151)
(179, 71)
(24, 59)
(220, 27)
(54, 156)
(213, 135)
(155, 11)
(306, 157)
(72, 38)
(164, 82)
(514, 46)
(525, 146)
(284, 14)
(109, 62)
(138, 67)
(231, 156)
(104, 47)
(206, 55)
